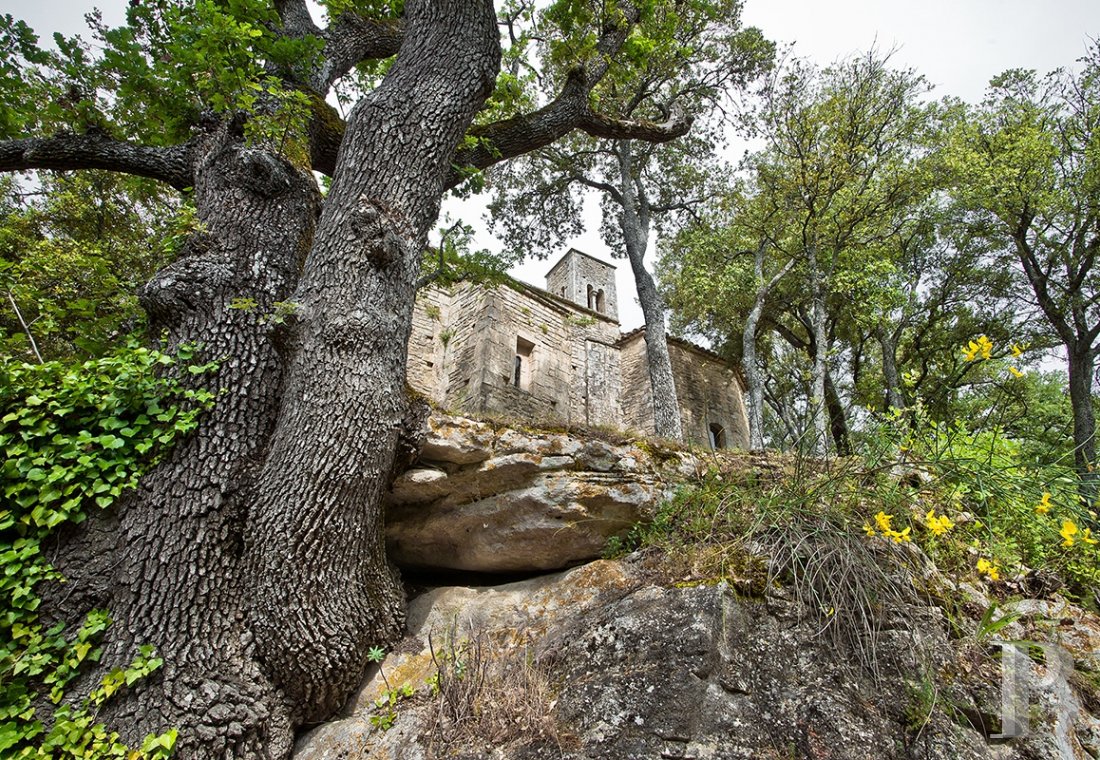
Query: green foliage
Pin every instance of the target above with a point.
(74, 437)
(1012, 510)
(836, 533)
(151, 78)
(72, 255)
(454, 260)
(386, 704)
(677, 58)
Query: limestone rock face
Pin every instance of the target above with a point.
(489, 500)
(643, 670)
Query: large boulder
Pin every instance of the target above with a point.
(612, 665)
(488, 499)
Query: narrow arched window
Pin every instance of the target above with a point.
(717, 436)
(599, 301)
(524, 364)
(591, 298)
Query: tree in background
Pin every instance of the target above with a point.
(252, 557)
(689, 57)
(73, 252)
(1027, 173)
(831, 188)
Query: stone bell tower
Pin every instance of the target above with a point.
(585, 281)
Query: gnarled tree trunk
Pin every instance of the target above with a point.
(253, 558)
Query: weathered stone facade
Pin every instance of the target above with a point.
(545, 355)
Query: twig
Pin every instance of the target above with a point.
(442, 266)
(26, 328)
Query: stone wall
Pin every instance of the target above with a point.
(445, 355)
(708, 389)
(575, 367)
(710, 393)
(638, 404)
(465, 340)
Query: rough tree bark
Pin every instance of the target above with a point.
(1081, 360)
(820, 445)
(169, 564)
(888, 342)
(634, 221)
(320, 489)
(254, 559)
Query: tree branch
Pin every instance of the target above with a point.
(603, 187)
(295, 17)
(522, 134)
(351, 39)
(599, 125)
(172, 165)
(513, 137)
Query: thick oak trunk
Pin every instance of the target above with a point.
(253, 558)
(169, 565)
(322, 590)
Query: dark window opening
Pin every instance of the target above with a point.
(591, 298)
(523, 364)
(717, 436)
(599, 301)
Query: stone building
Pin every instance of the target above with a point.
(558, 354)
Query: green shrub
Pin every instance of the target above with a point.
(74, 438)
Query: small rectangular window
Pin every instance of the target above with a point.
(523, 364)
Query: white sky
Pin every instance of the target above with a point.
(957, 44)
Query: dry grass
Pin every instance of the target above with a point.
(488, 693)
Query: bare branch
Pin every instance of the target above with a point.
(26, 327)
(172, 165)
(603, 187)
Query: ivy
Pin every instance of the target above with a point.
(74, 437)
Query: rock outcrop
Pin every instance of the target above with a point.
(636, 669)
(489, 499)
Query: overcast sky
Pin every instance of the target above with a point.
(957, 44)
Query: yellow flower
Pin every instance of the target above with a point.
(938, 525)
(1068, 531)
(1015, 372)
(1016, 351)
(1086, 536)
(899, 538)
(882, 521)
(1044, 504)
(982, 347)
(985, 567)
